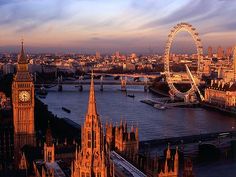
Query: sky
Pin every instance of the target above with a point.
(110, 25)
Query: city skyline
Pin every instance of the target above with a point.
(128, 26)
(117, 88)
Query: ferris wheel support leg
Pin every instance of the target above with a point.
(101, 84)
(123, 84)
(80, 85)
(145, 84)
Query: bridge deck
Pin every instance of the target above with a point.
(187, 139)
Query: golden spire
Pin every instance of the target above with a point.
(22, 58)
(92, 108)
(168, 152)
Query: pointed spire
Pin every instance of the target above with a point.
(76, 152)
(166, 167)
(92, 108)
(121, 122)
(176, 153)
(136, 132)
(132, 127)
(168, 152)
(176, 161)
(22, 58)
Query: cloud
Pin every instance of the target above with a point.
(5, 2)
(126, 23)
(192, 10)
(28, 15)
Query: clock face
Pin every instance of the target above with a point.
(24, 96)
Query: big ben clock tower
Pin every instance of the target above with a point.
(23, 104)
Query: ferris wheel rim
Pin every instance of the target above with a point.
(195, 36)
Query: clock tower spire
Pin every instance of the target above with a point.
(23, 105)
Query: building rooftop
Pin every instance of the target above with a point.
(57, 168)
(217, 85)
(127, 168)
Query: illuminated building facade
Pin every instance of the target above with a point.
(210, 52)
(23, 106)
(120, 139)
(221, 94)
(91, 160)
(163, 167)
(188, 168)
(220, 52)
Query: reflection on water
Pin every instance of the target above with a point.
(113, 105)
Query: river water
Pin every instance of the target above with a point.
(113, 105)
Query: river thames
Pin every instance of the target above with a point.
(113, 105)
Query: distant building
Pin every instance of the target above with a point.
(120, 139)
(8, 68)
(49, 167)
(6, 135)
(167, 167)
(5, 103)
(206, 66)
(234, 63)
(98, 55)
(35, 68)
(226, 74)
(220, 52)
(171, 167)
(49, 149)
(210, 52)
(221, 94)
(117, 54)
(128, 66)
(133, 55)
(228, 52)
(188, 168)
(49, 69)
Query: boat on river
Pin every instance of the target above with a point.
(159, 106)
(131, 96)
(66, 110)
(42, 91)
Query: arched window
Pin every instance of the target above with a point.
(83, 175)
(89, 139)
(99, 174)
(94, 139)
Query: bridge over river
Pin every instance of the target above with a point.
(220, 140)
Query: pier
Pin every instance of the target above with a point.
(164, 102)
(218, 108)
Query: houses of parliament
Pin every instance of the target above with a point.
(104, 151)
